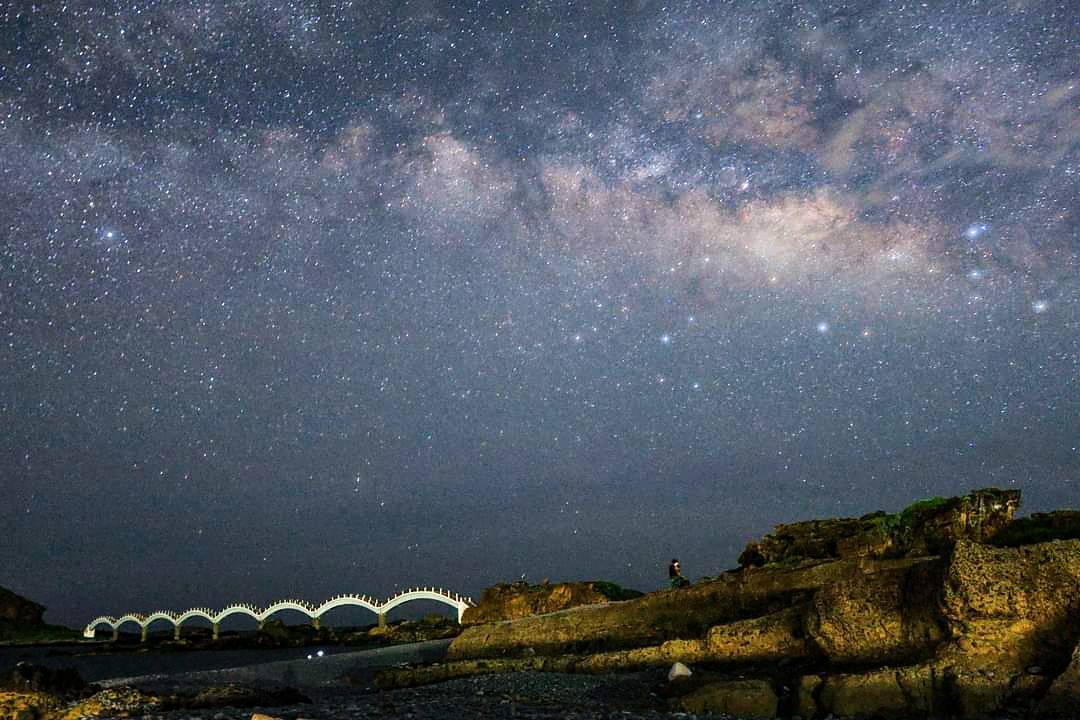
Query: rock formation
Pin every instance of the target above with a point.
(17, 610)
(509, 601)
(928, 527)
(943, 610)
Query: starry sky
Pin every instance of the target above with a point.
(302, 298)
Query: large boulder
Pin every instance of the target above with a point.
(988, 691)
(925, 690)
(749, 698)
(900, 692)
(509, 601)
(17, 610)
(1011, 612)
(928, 527)
(886, 614)
(1011, 608)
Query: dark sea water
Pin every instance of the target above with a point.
(102, 667)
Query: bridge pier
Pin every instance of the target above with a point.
(382, 620)
(115, 634)
(143, 634)
(217, 630)
(262, 624)
(176, 632)
(315, 623)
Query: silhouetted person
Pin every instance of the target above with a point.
(674, 572)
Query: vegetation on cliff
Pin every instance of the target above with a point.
(927, 527)
(1040, 527)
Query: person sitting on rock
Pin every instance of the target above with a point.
(674, 572)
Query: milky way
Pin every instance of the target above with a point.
(313, 298)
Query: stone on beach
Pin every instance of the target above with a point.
(678, 671)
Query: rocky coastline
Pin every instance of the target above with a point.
(951, 608)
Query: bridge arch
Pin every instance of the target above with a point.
(130, 617)
(455, 601)
(362, 601)
(195, 612)
(298, 605)
(93, 625)
(237, 610)
(159, 615)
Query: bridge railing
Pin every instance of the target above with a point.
(315, 612)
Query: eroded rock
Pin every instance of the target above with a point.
(115, 702)
(770, 638)
(976, 631)
(655, 618)
(510, 601)
(901, 692)
(1012, 607)
(750, 698)
(672, 651)
(886, 614)
(928, 527)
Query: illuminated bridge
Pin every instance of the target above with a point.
(315, 612)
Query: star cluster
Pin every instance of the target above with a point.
(323, 297)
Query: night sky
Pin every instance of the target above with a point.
(306, 298)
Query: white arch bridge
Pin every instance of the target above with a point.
(314, 612)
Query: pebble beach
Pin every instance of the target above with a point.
(519, 696)
(524, 695)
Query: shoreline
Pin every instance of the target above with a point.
(340, 687)
(301, 672)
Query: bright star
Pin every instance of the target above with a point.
(974, 232)
(665, 339)
(1040, 306)
(823, 327)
